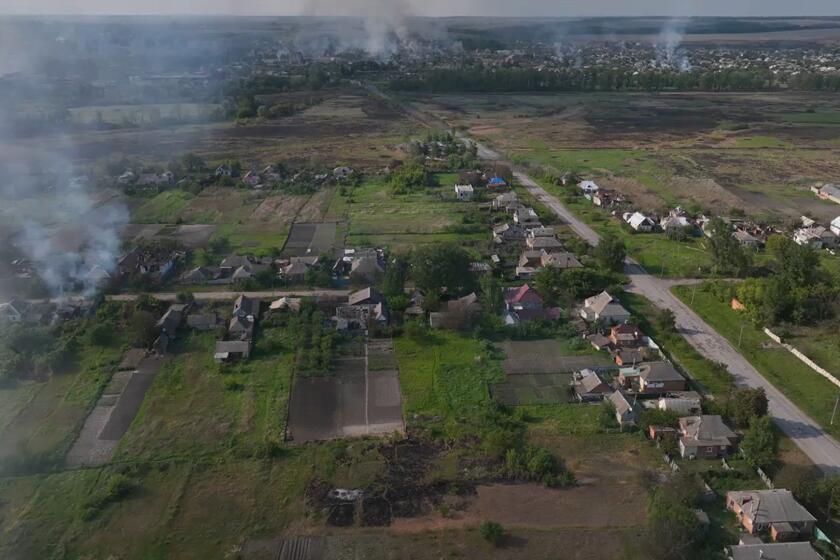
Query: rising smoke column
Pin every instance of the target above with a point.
(385, 22)
(668, 44)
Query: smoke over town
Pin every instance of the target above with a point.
(669, 41)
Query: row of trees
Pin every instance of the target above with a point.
(798, 291)
(480, 79)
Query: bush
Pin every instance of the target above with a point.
(233, 383)
(492, 532)
(118, 487)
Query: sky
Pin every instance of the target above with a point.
(569, 8)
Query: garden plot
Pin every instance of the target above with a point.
(311, 239)
(354, 400)
(531, 389)
(546, 357)
(113, 414)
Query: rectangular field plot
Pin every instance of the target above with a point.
(525, 389)
(311, 239)
(544, 357)
(354, 401)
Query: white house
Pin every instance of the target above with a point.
(588, 188)
(835, 226)
(639, 222)
(464, 192)
(814, 236)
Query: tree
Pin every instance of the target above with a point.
(393, 283)
(760, 443)
(728, 254)
(610, 253)
(193, 162)
(673, 531)
(548, 282)
(101, 334)
(491, 294)
(492, 532)
(664, 321)
(658, 417)
(142, 328)
(408, 178)
(442, 265)
(747, 404)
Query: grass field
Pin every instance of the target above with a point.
(807, 389)
(378, 217)
(145, 115)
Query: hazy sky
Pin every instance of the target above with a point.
(430, 7)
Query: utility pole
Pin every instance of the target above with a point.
(740, 335)
(834, 413)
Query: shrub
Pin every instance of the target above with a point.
(492, 532)
(233, 383)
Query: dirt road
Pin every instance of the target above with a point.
(231, 295)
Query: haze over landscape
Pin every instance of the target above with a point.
(417, 280)
(429, 8)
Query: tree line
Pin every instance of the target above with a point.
(502, 80)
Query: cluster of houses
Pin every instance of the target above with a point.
(157, 262)
(361, 266)
(812, 234)
(240, 331)
(540, 248)
(270, 175)
(646, 381)
(18, 311)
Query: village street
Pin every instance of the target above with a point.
(820, 447)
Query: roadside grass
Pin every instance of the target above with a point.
(701, 370)
(807, 389)
(659, 255)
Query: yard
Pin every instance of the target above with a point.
(808, 390)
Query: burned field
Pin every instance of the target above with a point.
(755, 152)
(312, 239)
(359, 397)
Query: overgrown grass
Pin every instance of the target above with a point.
(808, 390)
(164, 208)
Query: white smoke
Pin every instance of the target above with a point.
(386, 27)
(669, 43)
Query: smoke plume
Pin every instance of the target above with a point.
(669, 42)
(386, 27)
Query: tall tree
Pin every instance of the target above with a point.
(760, 443)
(611, 253)
(442, 265)
(729, 256)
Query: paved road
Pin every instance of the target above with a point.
(230, 295)
(821, 448)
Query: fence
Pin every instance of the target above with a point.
(802, 357)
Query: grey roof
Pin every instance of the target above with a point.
(621, 402)
(171, 320)
(560, 260)
(600, 302)
(774, 551)
(706, 430)
(591, 382)
(368, 295)
(233, 346)
(544, 243)
(659, 372)
(770, 506)
(244, 306)
(366, 266)
(202, 321)
(235, 261)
